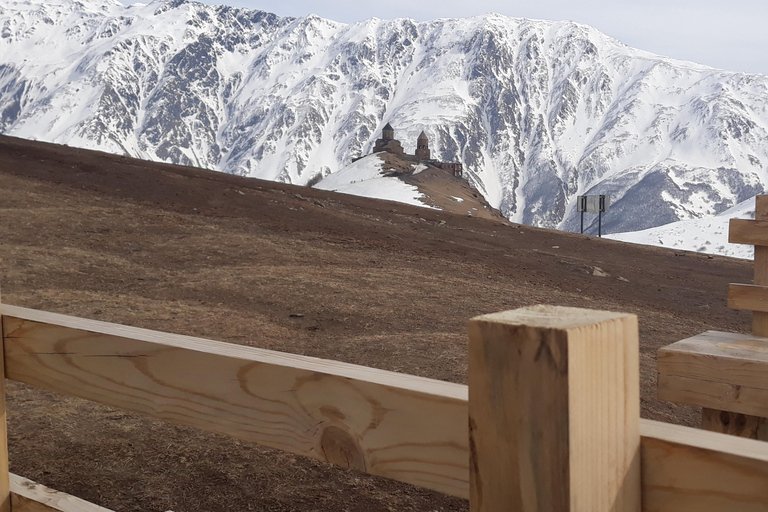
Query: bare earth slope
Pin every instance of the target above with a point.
(294, 269)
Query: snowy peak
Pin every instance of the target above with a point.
(537, 112)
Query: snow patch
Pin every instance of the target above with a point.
(708, 235)
(364, 178)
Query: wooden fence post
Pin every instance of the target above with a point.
(5, 491)
(554, 411)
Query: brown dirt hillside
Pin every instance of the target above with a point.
(378, 283)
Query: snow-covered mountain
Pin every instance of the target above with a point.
(708, 234)
(537, 111)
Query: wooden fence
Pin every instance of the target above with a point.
(549, 421)
(724, 373)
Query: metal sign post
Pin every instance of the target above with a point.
(593, 204)
(581, 205)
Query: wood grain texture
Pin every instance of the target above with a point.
(760, 318)
(716, 370)
(554, 411)
(393, 425)
(5, 492)
(725, 372)
(683, 469)
(735, 424)
(686, 469)
(748, 297)
(738, 359)
(760, 323)
(749, 232)
(715, 422)
(761, 207)
(714, 395)
(730, 418)
(28, 496)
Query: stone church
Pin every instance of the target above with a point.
(388, 143)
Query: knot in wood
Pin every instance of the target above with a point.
(339, 448)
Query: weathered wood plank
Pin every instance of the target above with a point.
(735, 424)
(714, 395)
(5, 492)
(398, 426)
(554, 411)
(28, 496)
(761, 207)
(716, 370)
(749, 232)
(748, 297)
(686, 469)
(760, 318)
(737, 359)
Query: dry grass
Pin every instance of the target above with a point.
(378, 284)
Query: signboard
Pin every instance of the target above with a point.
(593, 204)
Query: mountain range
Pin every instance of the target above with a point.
(537, 111)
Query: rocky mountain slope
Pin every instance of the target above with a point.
(537, 111)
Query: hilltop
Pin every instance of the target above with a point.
(386, 176)
(296, 269)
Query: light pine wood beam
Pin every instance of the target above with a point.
(717, 370)
(686, 469)
(28, 496)
(734, 423)
(554, 411)
(398, 426)
(715, 395)
(5, 492)
(213, 385)
(748, 297)
(738, 359)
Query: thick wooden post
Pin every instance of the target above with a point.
(5, 491)
(554, 411)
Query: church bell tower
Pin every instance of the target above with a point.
(422, 147)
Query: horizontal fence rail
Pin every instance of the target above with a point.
(718, 370)
(28, 496)
(686, 469)
(399, 426)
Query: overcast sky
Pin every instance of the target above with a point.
(726, 34)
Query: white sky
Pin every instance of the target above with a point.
(726, 34)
